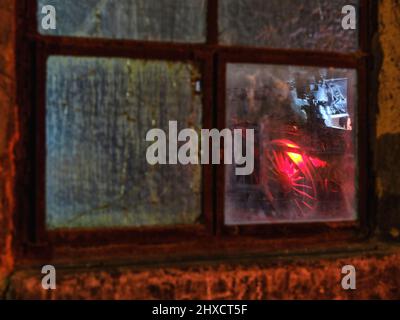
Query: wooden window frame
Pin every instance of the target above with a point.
(213, 237)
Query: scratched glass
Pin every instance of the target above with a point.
(304, 119)
(288, 24)
(98, 112)
(156, 20)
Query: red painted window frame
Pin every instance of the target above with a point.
(176, 242)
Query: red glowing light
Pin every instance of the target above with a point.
(287, 143)
(292, 169)
(318, 163)
(296, 158)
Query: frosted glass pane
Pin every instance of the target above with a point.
(98, 113)
(304, 119)
(157, 20)
(296, 24)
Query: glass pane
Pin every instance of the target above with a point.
(98, 113)
(298, 24)
(157, 20)
(304, 124)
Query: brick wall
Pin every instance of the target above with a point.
(378, 276)
(8, 136)
(387, 150)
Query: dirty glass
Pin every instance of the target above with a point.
(304, 120)
(98, 112)
(288, 24)
(156, 20)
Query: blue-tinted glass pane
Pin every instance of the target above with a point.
(98, 113)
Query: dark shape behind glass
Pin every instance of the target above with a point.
(98, 113)
(305, 165)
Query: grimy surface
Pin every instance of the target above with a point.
(98, 112)
(379, 271)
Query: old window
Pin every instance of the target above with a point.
(112, 70)
(305, 145)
